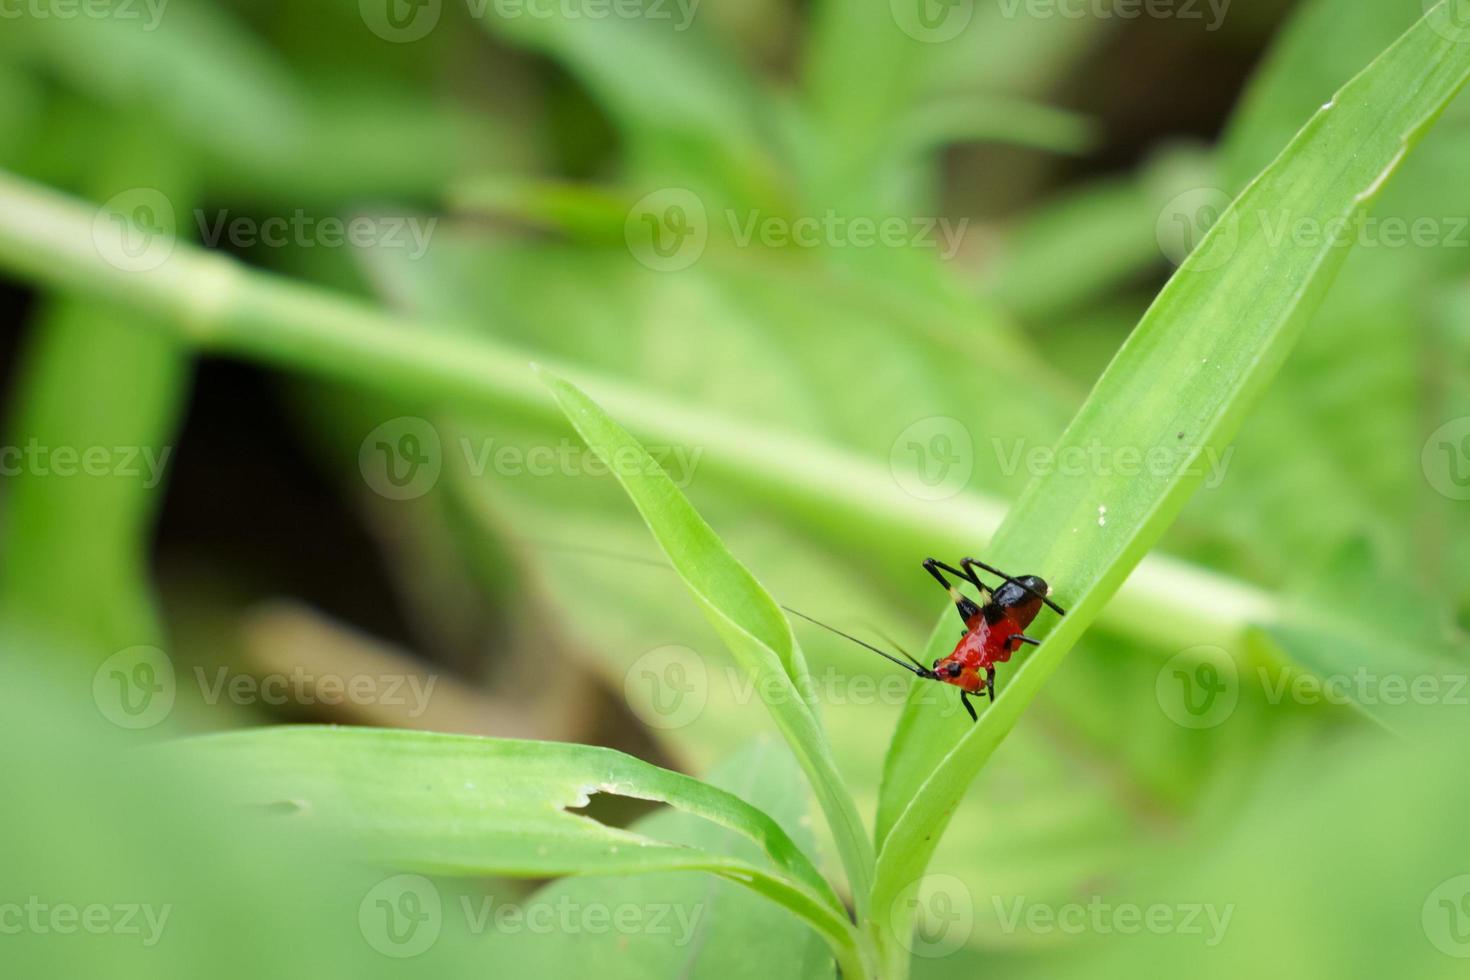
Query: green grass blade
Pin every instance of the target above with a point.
(746, 617)
(1186, 378)
(738, 936)
(455, 804)
(98, 383)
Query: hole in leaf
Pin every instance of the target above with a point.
(613, 810)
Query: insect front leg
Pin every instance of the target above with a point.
(968, 706)
(990, 683)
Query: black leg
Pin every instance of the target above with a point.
(965, 572)
(968, 706)
(962, 602)
(1023, 638)
(970, 564)
(990, 683)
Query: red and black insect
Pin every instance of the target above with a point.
(993, 631)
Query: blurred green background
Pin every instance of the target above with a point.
(832, 243)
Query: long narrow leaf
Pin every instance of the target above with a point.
(1185, 378)
(744, 614)
(454, 804)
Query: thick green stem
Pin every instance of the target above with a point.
(218, 304)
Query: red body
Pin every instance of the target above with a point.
(990, 639)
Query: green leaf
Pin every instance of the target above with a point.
(96, 377)
(476, 806)
(1300, 73)
(687, 108)
(746, 617)
(1185, 379)
(713, 928)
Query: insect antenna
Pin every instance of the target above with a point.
(911, 665)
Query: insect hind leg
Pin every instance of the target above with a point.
(970, 564)
(966, 606)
